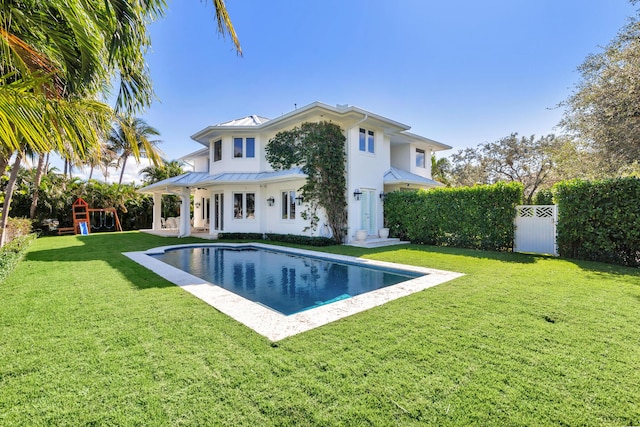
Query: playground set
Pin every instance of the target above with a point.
(86, 219)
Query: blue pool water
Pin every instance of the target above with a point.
(282, 281)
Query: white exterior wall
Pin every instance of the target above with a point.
(365, 171)
(239, 164)
(274, 222)
(267, 219)
(426, 171)
(201, 164)
(233, 225)
(401, 156)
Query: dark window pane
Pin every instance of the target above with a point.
(238, 206)
(370, 142)
(217, 151)
(251, 206)
(292, 205)
(251, 147)
(285, 205)
(363, 137)
(237, 147)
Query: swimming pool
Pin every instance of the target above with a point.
(285, 282)
(269, 322)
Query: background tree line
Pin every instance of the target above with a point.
(56, 192)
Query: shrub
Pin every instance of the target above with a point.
(17, 227)
(13, 252)
(479, 217)
(599, 220)
(301, 240)
(240, 236)
(287, 238)
(543, 197)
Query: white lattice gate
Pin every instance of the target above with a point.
(536, 229)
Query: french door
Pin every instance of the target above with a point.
(368, 211)
(218, 211)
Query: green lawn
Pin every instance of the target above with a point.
(88, 337)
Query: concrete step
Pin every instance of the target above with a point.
(376, 242)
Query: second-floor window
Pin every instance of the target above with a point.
(244, 147)
(288, 205)
(217, 151)
(421, 158)
(367, 141)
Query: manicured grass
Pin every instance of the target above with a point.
(88, 337)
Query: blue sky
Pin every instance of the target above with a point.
(460, 72)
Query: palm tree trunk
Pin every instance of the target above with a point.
(13, 177)
(124, 163)
(90, 172)
(36, 186)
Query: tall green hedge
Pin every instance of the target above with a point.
(599, 220)
(479, 217)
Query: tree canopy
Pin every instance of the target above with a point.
(604, 109)
(528, 160)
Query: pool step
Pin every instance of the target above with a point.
(376, 242)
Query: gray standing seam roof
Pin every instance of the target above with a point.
(400, 176)
(193, 179)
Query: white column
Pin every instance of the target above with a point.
(157, 211)
(185, 213)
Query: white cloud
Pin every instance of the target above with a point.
(131, 172)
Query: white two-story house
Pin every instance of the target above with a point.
(234, 189)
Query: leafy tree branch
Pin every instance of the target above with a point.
(318, 148)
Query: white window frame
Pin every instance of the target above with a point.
(424, 158)
(214, 150)
(243, 154)
(244, 215)
(288, 205)
(367, 146)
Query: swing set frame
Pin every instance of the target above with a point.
(82, 218)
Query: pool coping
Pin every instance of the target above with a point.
(276, 326)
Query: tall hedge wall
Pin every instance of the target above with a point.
(480, 217)
(599, 220)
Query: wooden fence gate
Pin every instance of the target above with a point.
(536, 229)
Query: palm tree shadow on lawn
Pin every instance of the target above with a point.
(109, 248)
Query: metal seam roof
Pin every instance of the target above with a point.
(399, 176)
(191, 179)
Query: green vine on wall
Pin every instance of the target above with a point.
(319, 149)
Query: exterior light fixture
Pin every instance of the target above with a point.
(271, 201)
(382, 195)
(357, 193)
(197, 205)
(299, 199)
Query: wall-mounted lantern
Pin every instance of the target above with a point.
(197, 205)
(299, 199)
(357, 193)
(382, 195)
(271, 201)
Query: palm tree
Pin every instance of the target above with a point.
(168, 169)
(52, 69)
(441, 170)
(130, 136)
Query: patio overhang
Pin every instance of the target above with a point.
(194, 180)
(395, 176)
